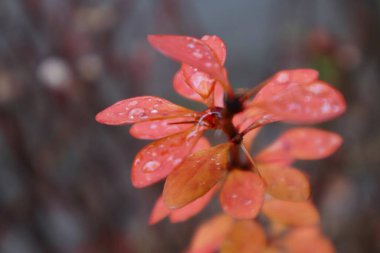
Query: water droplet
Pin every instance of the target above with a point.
(177, 161)
(248, 202)
(137, 112)
(326, 108)
(132, 103)
(208, 64)
(154, 111)
(234, 196)
(198, 55)
(190, 45)
(151, 166)
(283, 77)
(316, 89)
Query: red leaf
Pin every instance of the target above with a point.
(188, 50)
(156, 160)
(242, 194)
(285, 183)
(202, 144)
(182, 88)
(218, 95)
(159, 212)
(188, 211)
(246, 236)
(139, 109)
(198, 173)
(199, 81)
(307, 239)
(210, 235)
(283, 80)
(310, 103)
(216, 44)
(253, 115)
(151, 130)
(291, 213)
(300, 143)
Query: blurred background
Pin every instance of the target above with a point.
(64, 179)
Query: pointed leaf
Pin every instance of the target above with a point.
(300, 143)
(198, 173)
(245, 236)
(193, 208)
(210, 235)
(199, 81)
(202, 144)
(242, 194)
(216, 44)
(139, 109)
(159, 212)
(188, 50)
(291, 213)
(283, 80)
(285, 183)
(307, 239)
(218, 95)
(156, 160)
(310, 103)
(181, 87)
(151, 130)
(253, 115)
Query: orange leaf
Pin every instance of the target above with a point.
(210, 235)
(282, 81)
(139, 109)
(310, 103)
(246, 236)
(218, 95)
(216, 44)
(291, 213)
(285, 183)
(196, 175)
(199, 81)
(188, 50)
(156, 129)
(193, 208)
(307, 239)
(252, 116)
(300, 143)
(242, 194)
(156, 160)
(181, 87)
(202, 144)
(159, 212)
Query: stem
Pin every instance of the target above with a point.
(246, 152)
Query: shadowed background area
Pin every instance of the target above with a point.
(64, 179)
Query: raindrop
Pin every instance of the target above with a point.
(248, 202)
(132, 103)
(137, 112)
(283, 77)
(198, 55)
(151, 166)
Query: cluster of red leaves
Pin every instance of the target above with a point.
(195, 171)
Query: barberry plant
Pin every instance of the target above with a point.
(249, 185)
